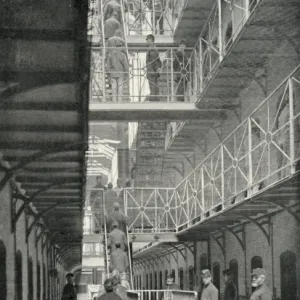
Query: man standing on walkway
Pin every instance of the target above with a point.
(69, 292)
(119, 260)
(181, 71)
(153, 65)
(117, 216)
(209, 291)
(117, 237)
(110, 294)
(261, 292)
(230, 292)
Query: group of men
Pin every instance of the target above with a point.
(181, 69)
(209, 292)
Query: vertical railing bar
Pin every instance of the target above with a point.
(222, 176)
(172, 76)
(220, 30)
(201, 64)
(292, 129)
(249, 150)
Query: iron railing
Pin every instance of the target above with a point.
(151, 209)
(162, 294)
(158, 17)
(261, 151)
(171, 77)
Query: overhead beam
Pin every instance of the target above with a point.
(162, 111)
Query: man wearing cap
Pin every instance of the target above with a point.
(181, 70)
(230, 292)
(153, 65)
(69, 292)
(261, 292)
(171, 285)
(117, 216)
(117, 237)
(209, 291)
(110, 294)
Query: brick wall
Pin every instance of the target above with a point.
(285, 237)
(17, 241)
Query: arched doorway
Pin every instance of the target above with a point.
(216, 276)
(30, 279)
(3, 278)
(19, 276)
(234, 267)
(288, 275)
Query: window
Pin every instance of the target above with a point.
(173, 274)
(288, 276)
(180, 278)
(147, 283)
(166, 275)
(203, 261)
(38, 281)
(191, 278)
(155, 280)
(30, 279)
(233, 265)
(44, 281)
(256, 262)
(151, 282)
(160, 280)
(18, 276)
(216, 276)
(3, 279)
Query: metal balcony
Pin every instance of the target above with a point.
(260, 157)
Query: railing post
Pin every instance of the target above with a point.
(247, 9)
(220, 30)
(195, 79)
(249, 150)
(103, 53)
(292, 132)
(172, 76)
(201, 64)
(222, 175)
(202, 191)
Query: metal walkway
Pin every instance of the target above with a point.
(151, 111)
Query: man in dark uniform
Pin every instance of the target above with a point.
(153, 65)
(230, 291)
(261, 292)
(181, 70)
(209, 291)
(69, 292)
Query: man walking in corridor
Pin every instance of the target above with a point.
(261, 292)
(209, 291)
